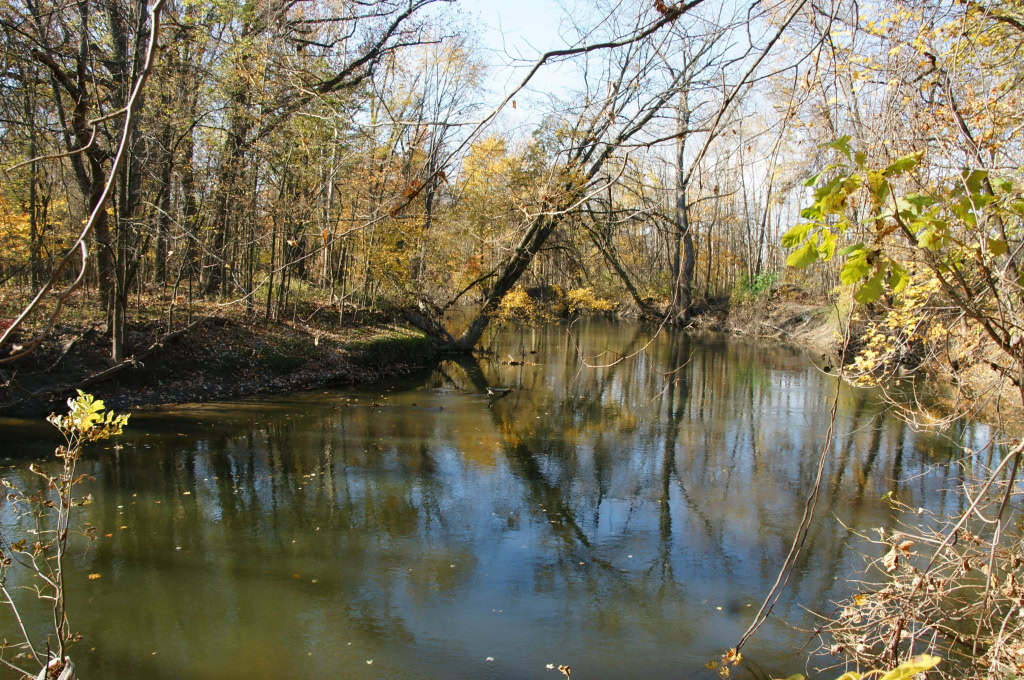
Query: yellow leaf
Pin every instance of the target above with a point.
(908, 669)
(93, 577)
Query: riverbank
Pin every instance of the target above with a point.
(211, 358)
(942, 390)
(790, 317)
(219, 355)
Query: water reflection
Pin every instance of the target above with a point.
(622, 518)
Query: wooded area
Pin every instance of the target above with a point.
(271, 156)
(343, 152)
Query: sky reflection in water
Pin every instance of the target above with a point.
(624, 520)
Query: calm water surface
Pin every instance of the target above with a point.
(622, 519)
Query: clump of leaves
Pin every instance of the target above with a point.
(956, 227)
(86, 422)
(751, 287)
(50, 511)
(583, 300)
(905, 671)
(905, 335)
(929, 250)
(517, 307)
(730, 659)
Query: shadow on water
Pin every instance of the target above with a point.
(622, 517)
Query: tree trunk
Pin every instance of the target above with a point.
(514, 268)
(163, 220)
(684, 270)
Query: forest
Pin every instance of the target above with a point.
(259, 154)
(692, 164)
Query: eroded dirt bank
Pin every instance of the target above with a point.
(933, 391)
(213, 358)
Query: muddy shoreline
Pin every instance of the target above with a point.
(213, 359)
(219, 358)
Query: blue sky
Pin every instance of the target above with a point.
(514, 33)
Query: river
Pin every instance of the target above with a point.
(620, 517)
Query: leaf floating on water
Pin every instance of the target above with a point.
(490, 658)
(711, 665)
(550, 666)
(369, 662)
(93, 577)
(565, 670)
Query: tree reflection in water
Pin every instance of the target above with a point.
(614, 518)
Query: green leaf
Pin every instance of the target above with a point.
(880, 190)
(997, 246)
(804, 256)
(871, 290)
(965, 211)
(796, 235)
(842, 145)
(851, 249)
(860, 158)
(930, 238)
(812, 212)
(813, 179)
(982, 200)
(908, 669)
(1001, 184)
(855, 268)
(974, 179)
(919, 200)
(852, 183)
(827, 246)
(898, 277)
(901, 165)
(829, 188)
(905, 208)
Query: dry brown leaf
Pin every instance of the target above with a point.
(891, 560)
